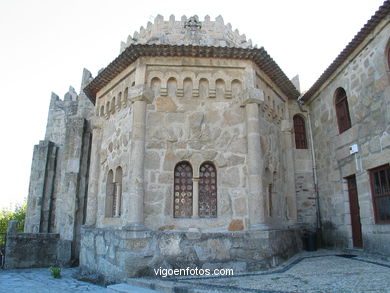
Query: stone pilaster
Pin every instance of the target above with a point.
(251, 98)
(94, 170)
(41, 187)
(133, 200)
(288, 145)
(68, 201)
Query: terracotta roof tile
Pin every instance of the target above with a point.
(130, 54)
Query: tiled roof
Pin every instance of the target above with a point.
(382, 12)
(128, 56)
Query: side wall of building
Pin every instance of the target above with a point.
(366, 81)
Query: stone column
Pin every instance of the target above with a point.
(94, 172)
(133, 201)
(195, 198)
(252, 97)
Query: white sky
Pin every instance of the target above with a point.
(45, 44)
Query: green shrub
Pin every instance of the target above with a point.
(55, 272)
(6, 215)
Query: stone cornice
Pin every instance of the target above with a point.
(133, 52)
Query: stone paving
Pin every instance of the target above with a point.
(40, 281)
(321, 271)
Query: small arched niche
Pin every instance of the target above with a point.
(113, 105)
(220, 88)
(236, 88)
(187, 86)
(203, 88)
(108, 107)
(119, 103)
(155, 84)
(172, 86)
(125, 96)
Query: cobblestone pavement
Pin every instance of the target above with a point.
(321, 271)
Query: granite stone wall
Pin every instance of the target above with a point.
(29, 250)
(196, 113)
(365, 78)
(123, 254)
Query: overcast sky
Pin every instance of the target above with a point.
(45, 44)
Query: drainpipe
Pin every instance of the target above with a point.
(300, 102)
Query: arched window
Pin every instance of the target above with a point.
(207, 190)
(109, 193)
(183, 190)
(300, 132)
(270, 196)
(117, 196)
(342, 110)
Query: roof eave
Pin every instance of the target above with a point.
(133, 52)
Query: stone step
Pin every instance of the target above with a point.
(126, 288)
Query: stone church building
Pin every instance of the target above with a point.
(193, 148)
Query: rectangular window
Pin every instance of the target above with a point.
(380, 189)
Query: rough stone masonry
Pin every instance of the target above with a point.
(190, 149)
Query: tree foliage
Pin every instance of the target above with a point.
(6, 215)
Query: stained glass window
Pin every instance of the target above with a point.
(207, 191)
(183, 190)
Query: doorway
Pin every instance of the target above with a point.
(357, 238)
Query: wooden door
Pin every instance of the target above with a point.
(355, 212)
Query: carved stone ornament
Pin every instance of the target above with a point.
(193, 23)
